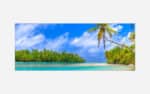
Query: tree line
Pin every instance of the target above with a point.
(47, 56)
(120, 55)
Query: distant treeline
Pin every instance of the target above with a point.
(47, 56)
(121, 55)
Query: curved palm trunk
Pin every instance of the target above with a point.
(104, 40)
(122, 45)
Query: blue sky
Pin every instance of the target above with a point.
(72, 38)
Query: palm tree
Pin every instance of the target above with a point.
(102, 30)
(132, 37)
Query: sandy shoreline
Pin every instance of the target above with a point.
(125, 67)
(85, 64)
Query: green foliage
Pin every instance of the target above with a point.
(102, 30)
(121, 55)
(47, 56)
(132, 37)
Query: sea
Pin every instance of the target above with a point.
(57, 66)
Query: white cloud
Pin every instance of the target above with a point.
(87, 43)
(125, 40)
(93, 50)
(116, 27)
(26, 42)
(25, 37)
(24, 30)
(86, 40)
(121, 40)
(58, 43)
(110, 46)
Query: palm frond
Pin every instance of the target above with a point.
(94, 28)
(110, 34)
(132, 36)
(109, 29)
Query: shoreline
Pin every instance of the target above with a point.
(85, 64)
(127, 67)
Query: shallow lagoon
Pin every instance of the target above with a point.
(49, 66)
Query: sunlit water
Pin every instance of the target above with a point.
(45, 66)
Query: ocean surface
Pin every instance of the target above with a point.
(45, 66)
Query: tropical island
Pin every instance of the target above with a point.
(74, 56)
(47, 56)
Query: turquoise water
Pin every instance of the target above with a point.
(44, 66)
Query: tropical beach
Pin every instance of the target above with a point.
(72, 67)
(75, 47)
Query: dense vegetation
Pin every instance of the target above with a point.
(121, 55)
(47, 56)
